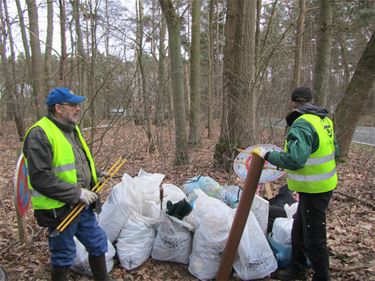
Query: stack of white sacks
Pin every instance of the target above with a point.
(138, 228)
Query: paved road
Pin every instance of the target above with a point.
(363, 135)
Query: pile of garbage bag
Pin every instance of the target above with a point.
(189, 226)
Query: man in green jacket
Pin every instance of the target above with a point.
(309, 159)
(61, 172)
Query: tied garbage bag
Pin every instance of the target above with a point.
(282, 227)
(260, 209)
(211, 220)
(81, 261)
(255, 258)
(283, 252)
(114, 212)
(207, 184)
(173, 241)
(230, 195)
(135, 242)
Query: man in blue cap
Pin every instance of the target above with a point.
(61, 173)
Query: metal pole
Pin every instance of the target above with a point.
(239, 222)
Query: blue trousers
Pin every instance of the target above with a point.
(85, 227)
(309, 234)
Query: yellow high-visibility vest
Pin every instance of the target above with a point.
(63, 162)
(319, 173)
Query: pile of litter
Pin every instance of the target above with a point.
(188, 225)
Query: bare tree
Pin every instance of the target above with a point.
(355, 98)
(24, 38)
(147, 107)
(9, 71)
(64, 56)
(48, 50)
(239, 68)
(298, 44)
(323, 54)
(211, 56)
(81, 56)
(195, 75)
(174, 42)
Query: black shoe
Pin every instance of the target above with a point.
(290, 274)
(60, 273)
(98, 268)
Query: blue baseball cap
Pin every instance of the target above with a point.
(60, 95)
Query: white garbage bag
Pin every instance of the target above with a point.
(254, 258)
(173, 241)
(135, 242)
(81, 262)
(282, 227)
(172, 193)
(260, 209)
(212, 219)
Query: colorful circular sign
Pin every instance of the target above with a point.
(21, 187)
(242, 163)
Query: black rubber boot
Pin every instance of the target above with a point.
(290, 274)
(59, 273)
(99, 268)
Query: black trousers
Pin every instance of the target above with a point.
(309, 237)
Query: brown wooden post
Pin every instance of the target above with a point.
(240, 218)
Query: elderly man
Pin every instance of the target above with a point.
(61, 174)
(309, 159)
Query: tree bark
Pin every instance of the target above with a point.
(24, 39)
(63, 58)
(11, 89)
(82, 57)
(323, 54)
(210, 67)
(239, 68)
(147, 107)
(36, 56)
(195, 75)
(48, 50)
(174, 42)
(355, 98)
(298, 45)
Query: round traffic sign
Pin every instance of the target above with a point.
(21, 187)
(242, 162)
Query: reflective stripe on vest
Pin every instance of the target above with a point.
(63, 162)
(319, 173)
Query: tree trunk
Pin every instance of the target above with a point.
(210, 67)
(163, 97)
(82, 57)
(174, 42)
(298, 45)
(48, 50)
(195, 75)
(147, 107)
(24, 39)
(63, 58)
(355, 98)
(36, 56)
(11, 91)
(239, 68)
(323, 54)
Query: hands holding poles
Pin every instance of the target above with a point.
(96, 189)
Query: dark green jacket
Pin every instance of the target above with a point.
(301, 139)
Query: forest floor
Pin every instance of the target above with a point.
(351, 214)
